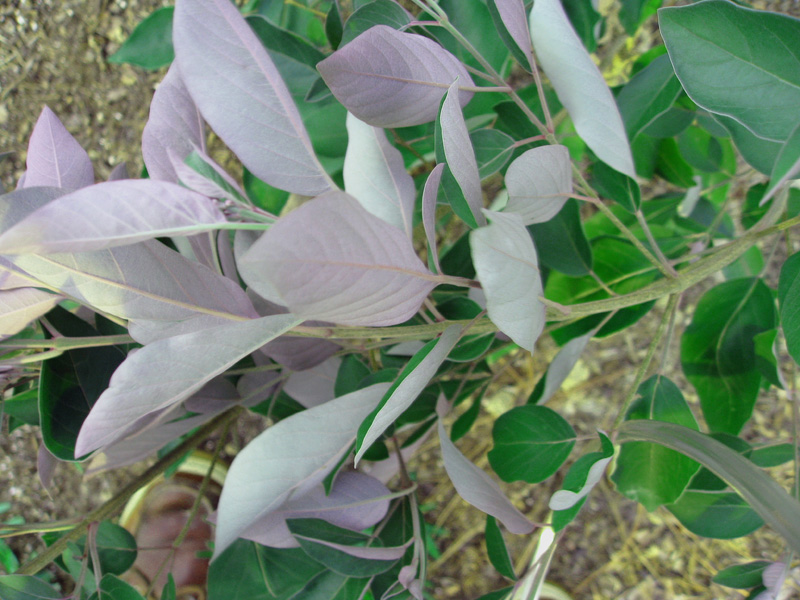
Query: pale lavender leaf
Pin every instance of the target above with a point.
(146, 331)
(203, 249)
(564, 499)
(12, 277)
(562, 365)
(580, 85)
(314, 386)
(539, 183)
(145, 281)
(226, 188)
(55, 158)
(113, 213)
(459, 154)
(173, 129)
(331, 260)
(389, 78)
(385, 469)
(217, 395)
(478, 489)
(355, 502)
(256, 386)
(295, 353)
(141, 385)
(119, 172)
(407, 388)
(376, 176)
(46, 465)
(243, 240)
(241, 95)
(293, 455)
(429, 194)
(139, 446)
(227, 261)
(512, 13)
(20, 306)
(508, 269)
(19, 204)
(409, 348)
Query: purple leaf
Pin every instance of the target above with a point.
(406, 388)
(141, 385)
(217, 395)
(561, 366)
(119, 172)
(388, 78)
(114, 213)
(11, 277)
(314, 386)
(351, 504)
(580, 85)
(290, 458)
(376, 176)
(539, 183)
(146, 331)
(331, 260)
(55, 158)
(512, 14)
(145, 281)
(477, 488)
(46, 465)
(429, 194)
(20, 306)
(240, 93)
(174, 127)
(508, 269)
(459, 154)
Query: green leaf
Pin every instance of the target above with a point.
(113, 588)
(26, 587)
(633, 13)
(466, 420)
(718, 515)
(379, 12)
(561, 242)
(584, 19)
(742, 577)
(615, 185)
(669, 123)
(333, 25)
(646, 472)
(702, 151)
(789, 302)
(248, 571)
(150, 44)
(772, 456)
(559, 369)
(351, 372)
(116, 548)
(168, 592)
(530, 443)
(471, 347)
(329, 585)
(671, 165)
(787, 163)
(758, 152)
(762, 493)
(493, 149)
(472, 19)
(581, 478)
(718, 350)
(71, 383)
(737, 62)
(766, 361)
(262, 194)
(649, 94)
(311, 532)
(520, 51)
(497, 550)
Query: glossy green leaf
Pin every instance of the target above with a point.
(700, 149)
(584, 474)
(530, 443)
(670, 123)
(762, 493)
(351, 372)
(379, 12)
(466, 420)
(743, 576)
(760, 153)
(26, 587)
(634, 12)
(719, 515)
(114, 588)
(649, 94)
(618, 187)
(718, 350)
(71, 383)
(470, 347)
(150, 44)
(787, 164)
(497, 550)
(329, 585)
(766, 360)
(249, 571)
(671, 165)
(334, 28)
(116, 548)
(772, 456)
(169, 592)
(646, 472)
(584, 19)
(561, 242)
(472, 19)
(789, 301)
(737, 62)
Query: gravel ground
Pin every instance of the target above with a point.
(54, 52)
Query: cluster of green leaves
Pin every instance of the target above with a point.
(723, 86)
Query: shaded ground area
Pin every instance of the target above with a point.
(53, 52)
